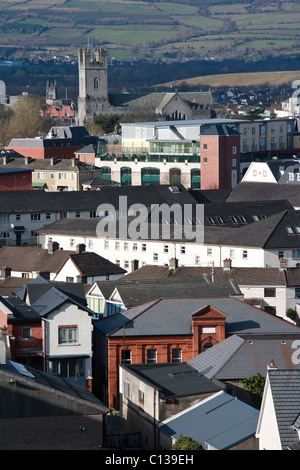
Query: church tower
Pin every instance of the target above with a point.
(93, 89)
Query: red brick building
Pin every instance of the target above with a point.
(219, 157)
(171, 330)
(15, 179)
(60, 142)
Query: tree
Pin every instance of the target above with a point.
(187, 443)
(255, 385)
(253, 114)
(107, 122)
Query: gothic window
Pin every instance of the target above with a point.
(96, 83)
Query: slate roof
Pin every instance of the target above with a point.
(42, 201)
(21, 311)
(136, 292)
(32, 258)
(239, 357)
(40, 164)
(225, 422)
(265, 192)
(174, 380)
(285, 387)
(92, 264)
(173, 317)
(44, 296)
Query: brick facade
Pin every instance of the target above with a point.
(208, 328)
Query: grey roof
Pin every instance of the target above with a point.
(92, 264)
(9, 171)
(66, 164)
(44, 296)
(173, 317)
(285, 387)
(20, 311)
(219, 129)
(225, 422)
(265, 191)
(135, 292)
(239, 357)
(36, 380)
(174, 380)
(42, 201)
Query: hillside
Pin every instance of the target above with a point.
(168, 31)
(272, 79)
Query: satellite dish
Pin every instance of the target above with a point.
(11, 226)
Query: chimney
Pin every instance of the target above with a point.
(5, 272)
(227, 264)
(173, 263)
(5, 352)
(52, 161)
(80, 248)
(82, 278)
(74, 161)
(271, 365)
(52, 247)
(45, 274)
(27, 160)
(4, 160)
(282, 264)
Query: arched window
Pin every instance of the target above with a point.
(175, 176)
(125, 176)
(150, 176)
(106, 172)
(96, 83)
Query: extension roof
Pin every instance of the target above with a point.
(265, 192)
(174, 380)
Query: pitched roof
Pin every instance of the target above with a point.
(173, 317)
(225, 422)
(265, 191)
(32, 258)
(92, 264)
(44, 296)
(285, 388)
(239, 357)
(28, 376)
(136, 292)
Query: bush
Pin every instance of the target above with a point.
(187, 443)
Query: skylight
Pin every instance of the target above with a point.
(22, 370)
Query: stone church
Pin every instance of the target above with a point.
(94, 98)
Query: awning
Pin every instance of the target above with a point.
(38, 185)
(19, 228)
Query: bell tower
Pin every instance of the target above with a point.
(93, 89)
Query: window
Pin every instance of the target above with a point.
(155, 256)
(77, 214)
(280, 254)
(106, 245)
(36, 217)
(144, 247)
(91, 244)
(126, 356)
(18, 217)
(290, 230)
(93, 214)
(52, 176)
(176, 355)
(245, 254)
(234, 162)
(270, 292)
(67, 334)
(166, 248)
(141, 396)
(126, 264)
(242, 219)
(209, 251)
(204, 146)
(70, 368)
(135, 247)
(41, 175)
(297, 292)
(26, 333)
(48, 216)
(126, 246)
(231, 253)
(151, 356)
(25, 275)
(233, 219)
(62, 176)
(234, 151)
(255, 218)
(295, 254)
(117, 245)
(182, 249)
(127, 389)
(70, 279)
(197, 259)
(4, 217)
(4, 235)
(72, 242)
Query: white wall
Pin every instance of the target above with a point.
(268, 433)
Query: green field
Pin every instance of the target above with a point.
(167, 30)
